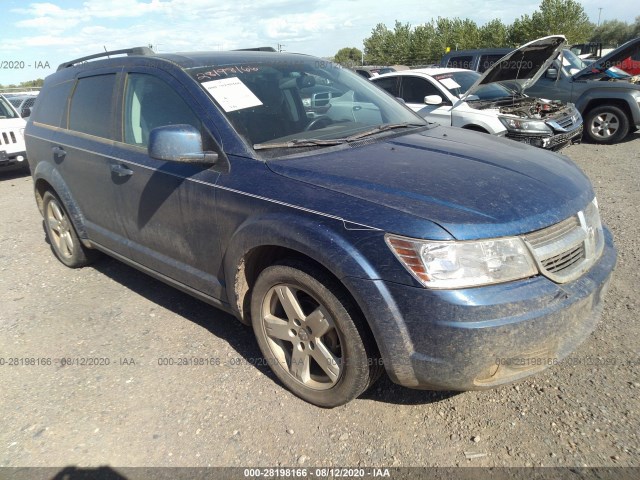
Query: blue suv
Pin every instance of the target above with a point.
(351, 234)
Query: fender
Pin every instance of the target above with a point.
(46, 172)
(323, 240)
(601, 95)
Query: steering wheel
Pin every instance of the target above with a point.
(318, 123)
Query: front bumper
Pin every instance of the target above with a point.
(551, 142)
(13, 160)
(478, 338)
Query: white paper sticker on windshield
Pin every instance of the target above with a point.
(231, 94)
(450, 83)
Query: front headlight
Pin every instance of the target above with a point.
(459, 264)
(523, 125)
(593, 225)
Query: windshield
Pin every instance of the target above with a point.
(459, 82)
(298, 102)
(5, 109)
(571, 63)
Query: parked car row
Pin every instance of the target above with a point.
(480, 102)
(353, 235)
(23, 103)
(606, 96)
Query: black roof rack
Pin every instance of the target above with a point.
(128, 51)
(255, 49)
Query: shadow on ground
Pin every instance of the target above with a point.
(239, 336)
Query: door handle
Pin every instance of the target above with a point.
(58, 152)
(121, 170)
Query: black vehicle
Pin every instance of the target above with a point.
(477, 60)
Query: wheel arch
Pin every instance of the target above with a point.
(46, 178)
(619, 98)
(621, 104)
(260, 243)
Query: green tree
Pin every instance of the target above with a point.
(348, 56)
(494, 34)
(522, 30)
(386, 47)
(425, 48)
(375, 45)
(612, 33)
(563, 17)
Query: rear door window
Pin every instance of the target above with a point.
(91, 106)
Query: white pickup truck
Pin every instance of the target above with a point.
(12, 150)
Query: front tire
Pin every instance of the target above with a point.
(311, 336)
(606, 124)
(62, 235)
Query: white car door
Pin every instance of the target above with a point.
(414, 89)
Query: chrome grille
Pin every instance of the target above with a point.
(565, 122)
(564, 260)
(567, 249)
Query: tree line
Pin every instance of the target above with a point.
(28, 84)
(426, 43)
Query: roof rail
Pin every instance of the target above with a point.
(255, 49)
(128, 51)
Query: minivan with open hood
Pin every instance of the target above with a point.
(352, 235)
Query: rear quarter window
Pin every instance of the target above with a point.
(461, 62)
(91, 105)
(487, 61)
(51, 104)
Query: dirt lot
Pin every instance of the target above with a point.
(135, 412)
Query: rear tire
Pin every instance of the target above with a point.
(62, 235)
(606, 124)
(311, 335)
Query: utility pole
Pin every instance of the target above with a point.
(599, 13)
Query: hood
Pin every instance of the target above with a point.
(523, 66)
(472, 184)
(611, 59)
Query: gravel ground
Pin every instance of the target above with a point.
(134, 412)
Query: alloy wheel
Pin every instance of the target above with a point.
(302, 336)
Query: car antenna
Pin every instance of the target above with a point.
(106, 51)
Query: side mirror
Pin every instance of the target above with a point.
(552, 73)
(433, 100)
(26, 112)
(179, 143)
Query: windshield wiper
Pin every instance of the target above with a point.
(381, 128)
(310, 142)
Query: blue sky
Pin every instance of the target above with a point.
(40, 33)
